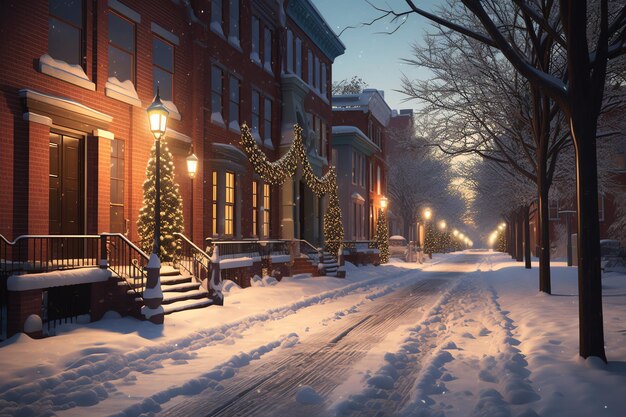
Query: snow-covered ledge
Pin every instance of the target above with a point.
(122, 91)
(72, 74)
(57, 279)
(174, 134)
(171, 107)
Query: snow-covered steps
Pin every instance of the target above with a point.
(186, 305)
(329, 265)
(181, 291)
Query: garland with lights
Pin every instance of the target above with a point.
(382, 236)
(286, 166)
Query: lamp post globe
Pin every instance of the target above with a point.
(157, 115)
(192, 168)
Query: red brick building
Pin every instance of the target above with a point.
(360, 137)
(77, 77)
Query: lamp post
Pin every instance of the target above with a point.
(192, 167)
(152, 295)
(427, 215)
(157, 113)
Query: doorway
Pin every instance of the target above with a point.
(65, 178)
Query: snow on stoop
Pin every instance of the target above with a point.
(181, 291)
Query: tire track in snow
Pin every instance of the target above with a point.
(87, 383)
(321, 362)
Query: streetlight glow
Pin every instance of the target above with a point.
(383, 202)
(192, 164)
(427, 214)
(442, 224)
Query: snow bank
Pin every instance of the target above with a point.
(57, 278)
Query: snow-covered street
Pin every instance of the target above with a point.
(465, 335)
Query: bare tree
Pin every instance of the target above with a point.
(355, 85)
(588, 37)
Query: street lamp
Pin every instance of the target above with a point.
(427, 214)
(455, 233)
(157, 113)
(442, 225)
(192, 167)
(383, 203)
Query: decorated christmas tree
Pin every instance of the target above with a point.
(382, 236)
(171, 206)
(333, 226)
(430, 240)
(501, 243)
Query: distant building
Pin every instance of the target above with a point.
(360, 134)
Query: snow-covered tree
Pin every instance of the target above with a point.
(171, 206)
(586, 35)
(355, 85)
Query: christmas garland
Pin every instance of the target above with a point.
(286, 166)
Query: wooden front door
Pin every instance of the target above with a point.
(66, 198)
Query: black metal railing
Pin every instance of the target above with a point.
(45, 253)
(229, 249)
(125, 259)
(306, 248)
(192, 259)
(358, 245)
(269, 248)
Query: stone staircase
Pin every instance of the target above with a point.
(304, 265)
(330, 265)
(181, 291)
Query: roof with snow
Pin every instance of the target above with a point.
(370, 100)
(310, 20)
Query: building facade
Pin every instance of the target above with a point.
(360, 135)
(79, 75)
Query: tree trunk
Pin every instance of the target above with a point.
(527, 236)
(589, 273)
(543, 224)
(512, 229)
(519, 238)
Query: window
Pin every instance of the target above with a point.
(267, 120)
(217, 76)
(214, 208)
(371, 176)
(255, 208)
(217, 16)
(266, 210)
(309, 75)
(323, 139)
(121, 48)
(323, 86)
(289, 51)
(255, 38)
(65, 31)
(354, 167)
(229, 204)
(233, 26)
(378, 180)
(362, 171)
(299, 57)
(118, 224)
(553, 209)
(267, 49)
(163, 68)
(256, 111)
(233, 111)
(317, 73)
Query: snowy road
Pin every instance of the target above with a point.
(273, 386)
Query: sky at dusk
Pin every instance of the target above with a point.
(370, 54)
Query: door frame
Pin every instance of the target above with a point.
(82, 138)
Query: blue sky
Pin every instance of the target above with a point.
(372, 56)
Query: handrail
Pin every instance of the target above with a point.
(44, 253)
(126, 260)
(201, 266)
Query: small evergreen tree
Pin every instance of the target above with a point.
(171, 206)
(333, 226)
(430, 240)
(382, 236)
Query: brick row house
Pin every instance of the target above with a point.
(79, 75)
(360, 136)
(77, 78)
